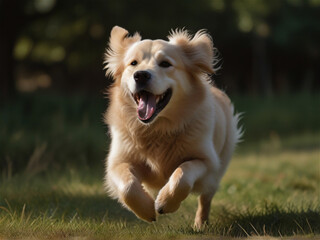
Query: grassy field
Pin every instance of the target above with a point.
(271, 189)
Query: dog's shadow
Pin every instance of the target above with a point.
(102, 208)
(97, 207)
(272, 221)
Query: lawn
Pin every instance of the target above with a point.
(52, 169)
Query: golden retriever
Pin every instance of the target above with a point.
(172, 132)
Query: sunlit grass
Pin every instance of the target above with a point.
(262, 194)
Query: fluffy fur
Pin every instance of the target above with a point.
(156, 161)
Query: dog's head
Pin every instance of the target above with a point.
(158, 75)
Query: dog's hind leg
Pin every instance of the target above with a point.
(179, 186)
(202, 215)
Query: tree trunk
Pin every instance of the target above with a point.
(7, 84)
(11, 21)
(261, 68)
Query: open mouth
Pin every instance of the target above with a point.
(150, 105)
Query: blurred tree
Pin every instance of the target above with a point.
(11, 19)
(252, 18)
(266, 45)
(15, 15)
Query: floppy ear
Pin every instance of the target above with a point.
(198, 49)
(119, 42)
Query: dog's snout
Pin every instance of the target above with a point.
(142, 77)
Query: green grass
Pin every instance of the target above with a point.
(51, 179)
(262, 194)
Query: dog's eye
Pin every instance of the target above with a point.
(133, 63)
(165, 64)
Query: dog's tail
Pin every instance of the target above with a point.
(237, 128)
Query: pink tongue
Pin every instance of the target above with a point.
(147, 106)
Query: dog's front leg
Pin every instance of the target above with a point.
(130, 192)
(179, 186)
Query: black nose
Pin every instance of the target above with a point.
(141, 77)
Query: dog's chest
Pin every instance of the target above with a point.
(164, 153)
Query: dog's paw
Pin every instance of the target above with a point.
(145, 211)
(200, 224)
(139, 202)
(166, 202)
(148, 215)
(149, 218)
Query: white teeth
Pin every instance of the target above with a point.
(159, 98)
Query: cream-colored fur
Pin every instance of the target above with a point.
(152, 167)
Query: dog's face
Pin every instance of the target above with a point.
(158, 75)
(153, 71)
